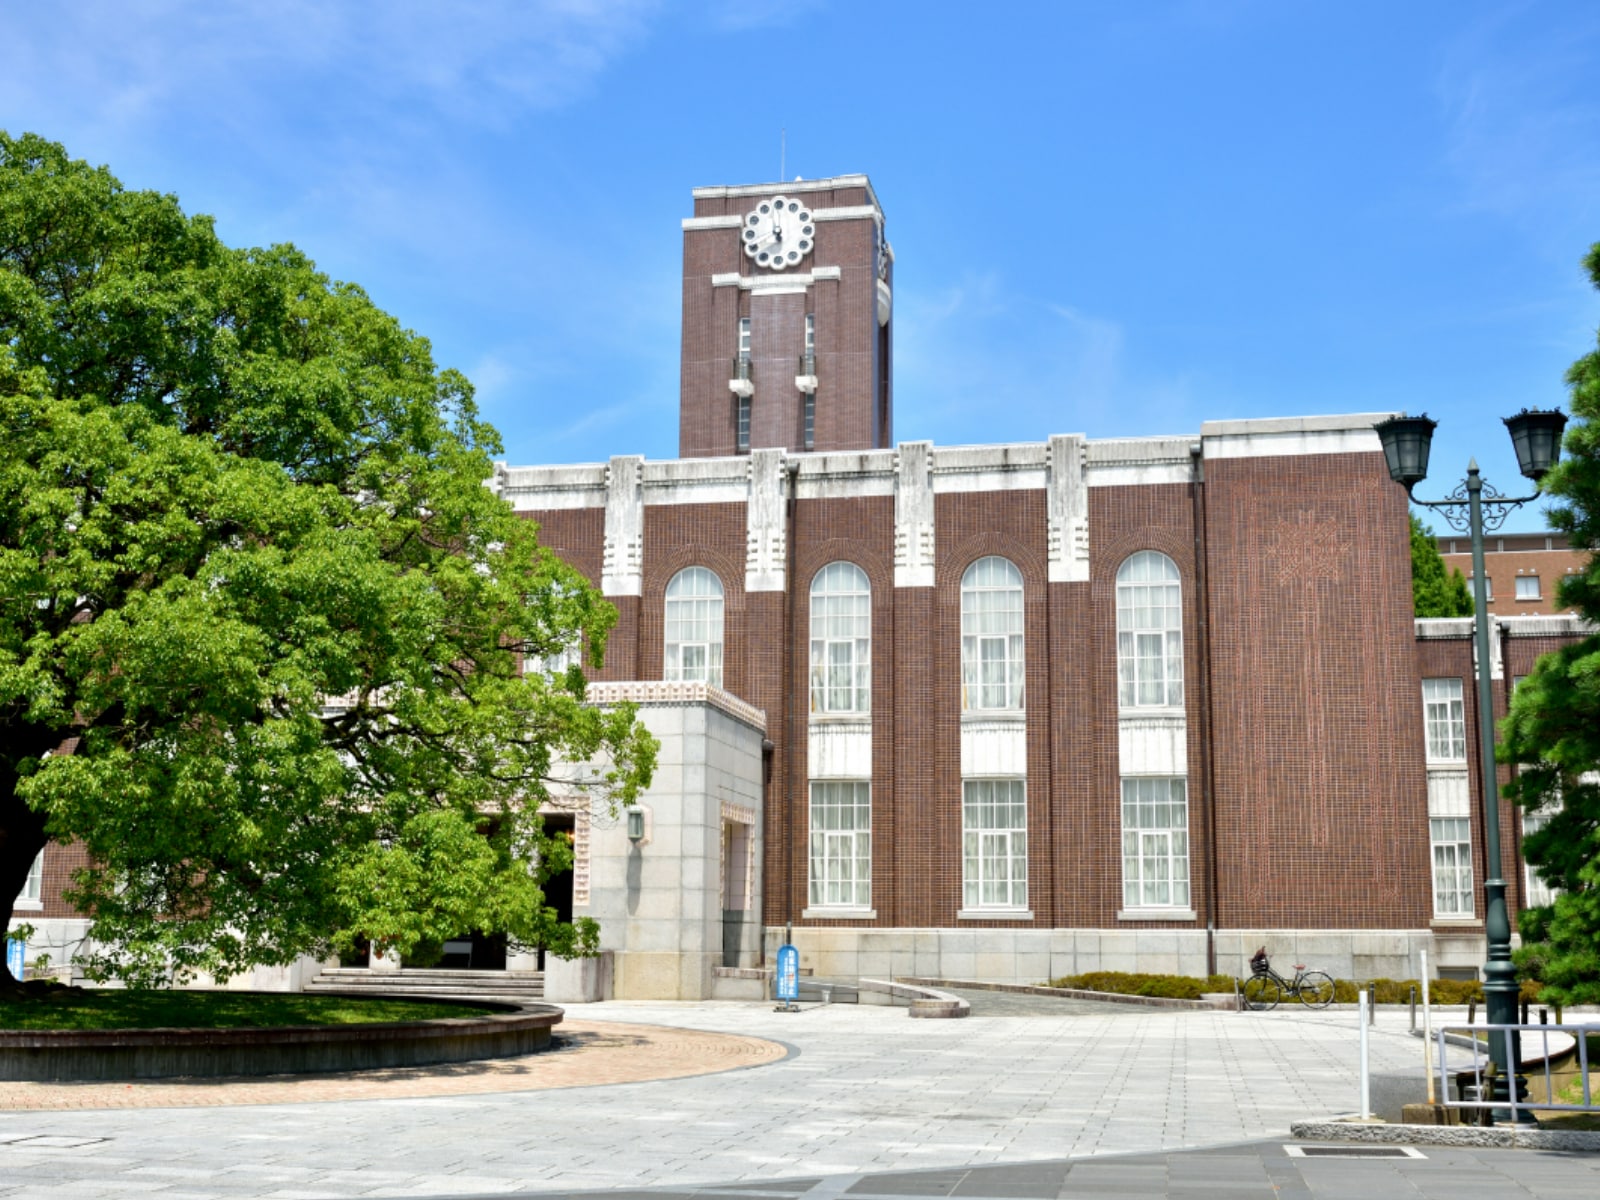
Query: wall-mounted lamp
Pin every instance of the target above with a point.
(635, 824)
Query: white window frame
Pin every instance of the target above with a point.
(744, 338)
(32, 894)
(1444, 719)
(840, 844)
(992, 638)
(994, 845)
(1450, 842)
(692, 627)
(1528, 588)
(1536, 893)
(811, 333)
(1488, 586)
(1149, 632)
(1155, 843)
(841, 640)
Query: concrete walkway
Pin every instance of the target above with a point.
(867, 1090)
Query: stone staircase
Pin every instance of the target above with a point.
(513, 987)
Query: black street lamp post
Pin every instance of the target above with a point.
(1474, 505)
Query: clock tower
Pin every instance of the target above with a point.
(787, 329)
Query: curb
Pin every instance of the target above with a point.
(1028, 989)
(1503, 1137)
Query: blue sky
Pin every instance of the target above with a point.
(1110, 218)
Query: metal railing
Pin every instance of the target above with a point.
(1476, 1083)
(807, 365)
(741, 367)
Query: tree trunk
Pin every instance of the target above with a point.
(22, 836)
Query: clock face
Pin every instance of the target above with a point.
(778, 233)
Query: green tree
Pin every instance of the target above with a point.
(1553, 730)
(1435, 591)
(261, 622)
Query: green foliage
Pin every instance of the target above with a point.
(1435, 592)
(1553, 730)
(248, 562)
(1130, 983)
(155, 1008)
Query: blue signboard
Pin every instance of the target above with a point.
(786, 984)
(16, 949)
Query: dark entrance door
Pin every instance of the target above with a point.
(558, 888)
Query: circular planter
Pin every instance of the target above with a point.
(101, 1054)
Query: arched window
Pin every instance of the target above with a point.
(841, 640)
(991, 635)
(694, 627)
(1149, 631)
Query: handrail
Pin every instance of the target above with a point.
(1451, 1035)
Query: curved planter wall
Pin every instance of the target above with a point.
(99, 1054)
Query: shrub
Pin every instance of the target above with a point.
(1129, 983)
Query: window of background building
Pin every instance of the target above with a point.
(1527, 587)
(33, 886)
(1149, 631)
(1155, 843)
(1488, 586)
(693, 649)
(1452, 866)
(1444, 717)
(991, 635)
(994, 844)
(841, 844)
(841, 640)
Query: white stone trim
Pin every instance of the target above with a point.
(847, 212)
(839, 914)
(839, 748)
(766, 526)
(730, 221)
(822, 273)
(775, 285)
(1124, 462)
(913, 515)
(548, 489)
(656, 691)
(27, 905)
(1156, 914)
(1067, 503)
(994, 749)
(622, 559)
(1153, 745)
(793, 187)
(845, 474)
(1273, 436)
(995, 914)
(1016, 466)
(698, 480)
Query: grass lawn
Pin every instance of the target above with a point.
(84, 1008)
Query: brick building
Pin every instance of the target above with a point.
(1005, 711)
(1522, 568)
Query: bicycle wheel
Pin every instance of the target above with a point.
(1262, 993)
(1316, 990)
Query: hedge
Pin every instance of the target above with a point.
(1190, 987)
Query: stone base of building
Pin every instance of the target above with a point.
(1035, 955)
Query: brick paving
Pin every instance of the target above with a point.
(864, 1092)
(586, 1054)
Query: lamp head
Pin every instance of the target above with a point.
(1536, 435)
(1406, 443)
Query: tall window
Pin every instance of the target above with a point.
(1155, 843)
(991, 635)
(33, 886)
(994, 843)
(841, 640)
(741, 430)
(694, 627)
(1445, 719)
(1452, 866)
(744, 337)
(1536, 893)
(841, 844)
(1149, 631)
(811, 333)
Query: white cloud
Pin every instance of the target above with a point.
(1522, 113)
(116, 63)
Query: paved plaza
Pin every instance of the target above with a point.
(862, 1092)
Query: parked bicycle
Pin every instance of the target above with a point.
(1266, 988)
